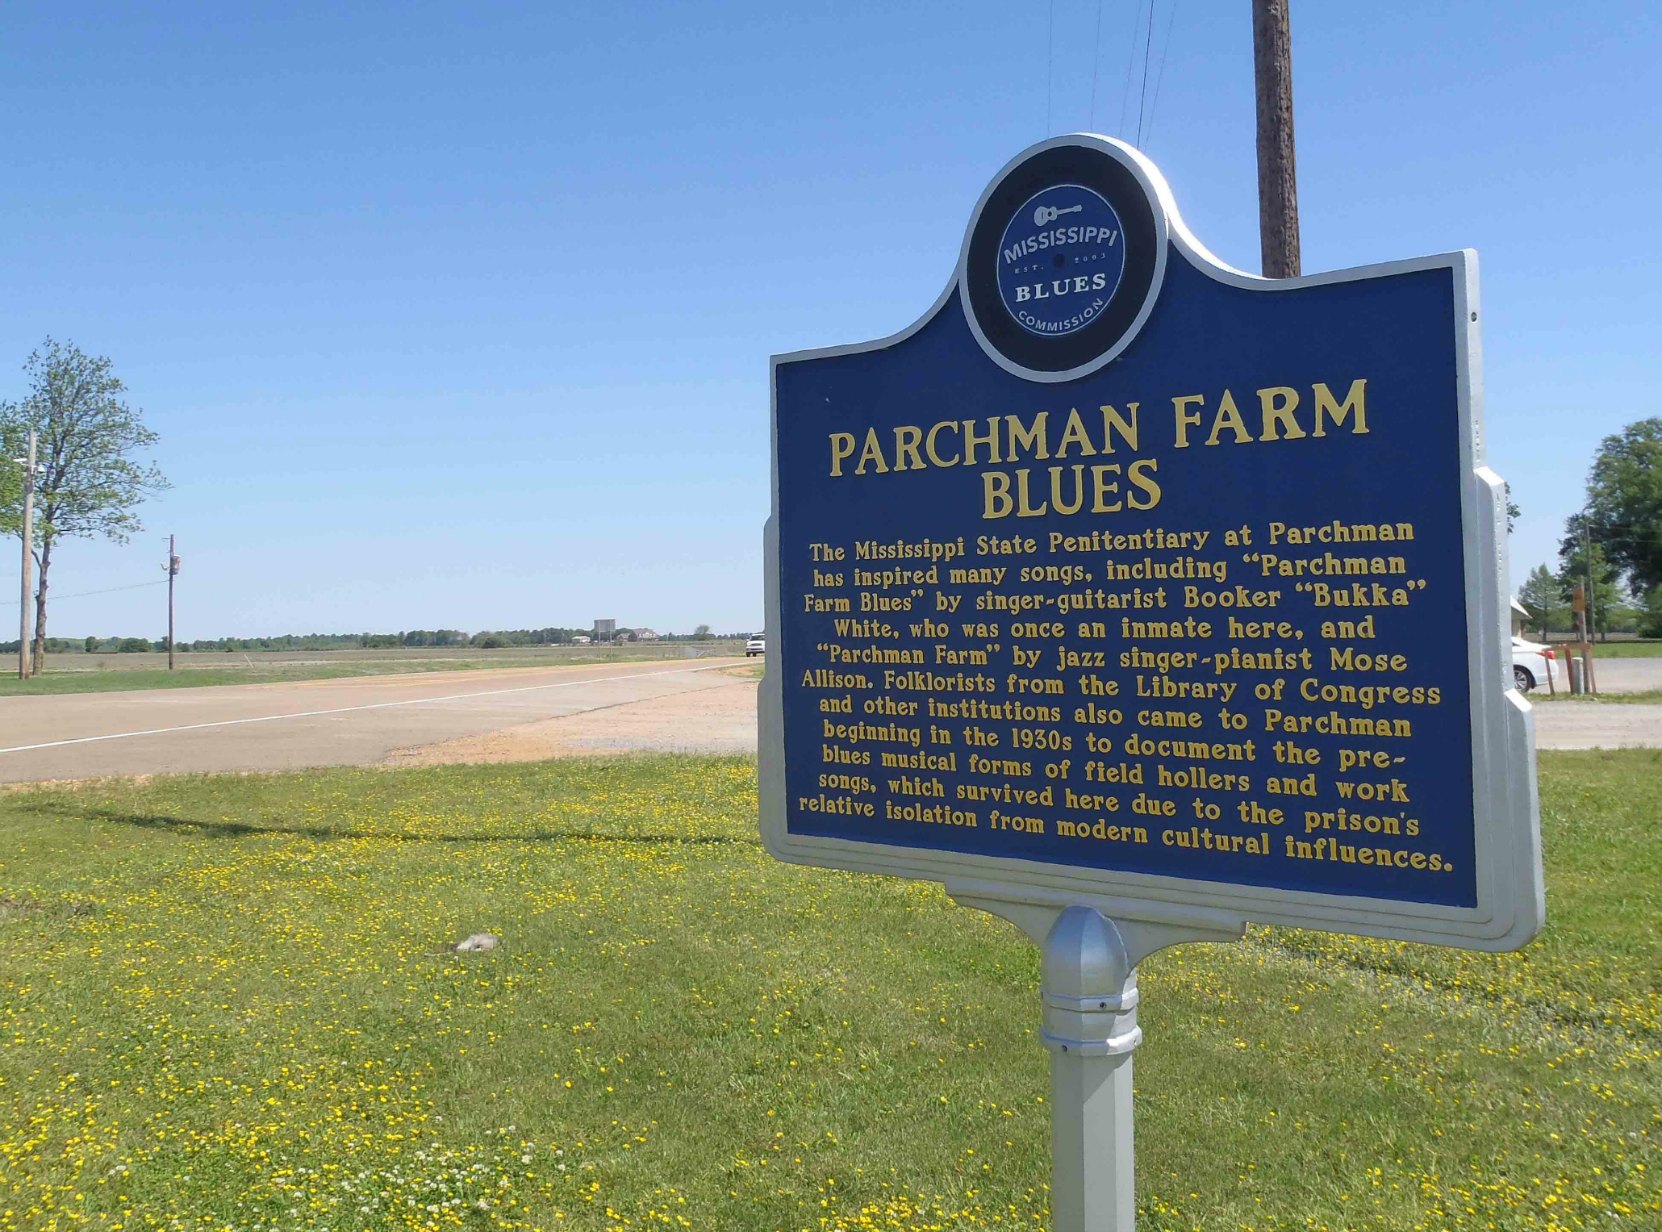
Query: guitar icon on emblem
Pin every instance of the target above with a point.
(1049, 213)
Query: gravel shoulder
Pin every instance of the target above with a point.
(720, 718)
(1592, 725)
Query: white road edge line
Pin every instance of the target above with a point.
(308, 714)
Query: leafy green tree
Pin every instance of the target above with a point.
(90, 645)
(1513, 513)
(1624, 615)
(1650, 613)
(1542, 595)
(13, 444)
(88, 485)
(1624, 502)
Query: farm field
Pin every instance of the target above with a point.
(97, 673)
(225, 1002)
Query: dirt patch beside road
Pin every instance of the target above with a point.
(298, 725)
(721, 719)
(1589, 725)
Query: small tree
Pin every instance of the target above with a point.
(1540, 594)
(88, 486)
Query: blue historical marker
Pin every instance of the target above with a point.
(1135, 598)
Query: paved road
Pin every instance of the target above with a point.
(356, 721)
(1627, 675)
(1561, 724)
(481, 716)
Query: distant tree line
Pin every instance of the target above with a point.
(488, 639)
(67, 645)
(332, 641)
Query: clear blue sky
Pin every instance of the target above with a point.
(460, 315)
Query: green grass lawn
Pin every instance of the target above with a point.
(76, 673)
(224, 1003)
(1645, 697)
(1627, 650)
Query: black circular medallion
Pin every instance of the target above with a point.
(1063, 260)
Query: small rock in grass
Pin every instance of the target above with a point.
(479, 943)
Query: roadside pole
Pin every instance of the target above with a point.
(28, 559)
(172, 572)
(1587, 557)
(1581, 606)
(1591, 631)
(1088, 994)
(1272, 63)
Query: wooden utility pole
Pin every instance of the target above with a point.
(1272, 61)
(1592, 629)
(172, 572)
(1587, 557)
(28, 557)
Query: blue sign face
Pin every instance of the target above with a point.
(1159, 578)
(1060, 260)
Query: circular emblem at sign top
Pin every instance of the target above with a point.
(1060, 260)
(1064, 259)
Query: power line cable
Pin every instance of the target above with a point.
(1160, 77)
(1130, 59)
(1148, 41)
(1096, 61)
(107, 591)
(1050, 61)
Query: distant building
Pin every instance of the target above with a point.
(582, 640)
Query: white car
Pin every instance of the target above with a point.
(1531, 663)
(756, 645)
